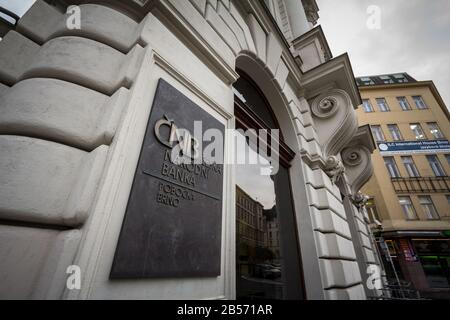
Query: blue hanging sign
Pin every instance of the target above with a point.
(419, 146)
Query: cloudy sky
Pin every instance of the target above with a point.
(414, 37)
(248, 176)
(19, 7)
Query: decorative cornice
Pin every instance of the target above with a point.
(311, 10)
(358, 165)
(309, 37)
(337, 71)
(135, 9)
(335, 121)
(356, 158)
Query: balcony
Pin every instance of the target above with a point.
(421, 185)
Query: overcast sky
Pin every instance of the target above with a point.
(414, 37)
(19, 7)
(248, 176)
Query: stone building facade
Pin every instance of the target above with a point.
(75, 104)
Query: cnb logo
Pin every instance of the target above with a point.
(186, 145)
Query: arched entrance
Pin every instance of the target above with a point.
(268, 260)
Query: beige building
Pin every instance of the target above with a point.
(410, 190)
(251, 225)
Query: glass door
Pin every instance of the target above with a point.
(268, 262)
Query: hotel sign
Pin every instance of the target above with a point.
(173, 222)
(419, 146)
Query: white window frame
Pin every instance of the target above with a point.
(401, 78)
(435, 130)
(391, 167)
(386, 79)
(428, 208)
(367, 106)
(404, 104)
(378, 133)
(436, 165)
(383, 105)
(417, 134)
(410, 167)
(395, 132)
(420, 103)
(408, 208)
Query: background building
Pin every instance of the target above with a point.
(79, 90)
(410, 189)
(258, 255)
(251, 222)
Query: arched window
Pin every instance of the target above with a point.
(268, 264)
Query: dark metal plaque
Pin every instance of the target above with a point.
(173, 222)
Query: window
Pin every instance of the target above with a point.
(378, 133)
(372, 211)
(420, 104)
(404, 103)
(447, 156)
(386, 79)
(418, 131)
(408, 208)
(448, 199)
(435, 267)
(435, 130)
(428, 207)
(382, 104)
(395, 132)
(391, 167)
(411, 168)
(400, 78)
(367, 106)
(436, 166)
(268, 197)
(367, 81)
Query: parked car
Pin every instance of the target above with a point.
(267, 271)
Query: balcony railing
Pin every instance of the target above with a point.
(422, 185)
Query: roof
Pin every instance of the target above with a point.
(385, 79)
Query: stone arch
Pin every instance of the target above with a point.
(258, 71)
(284, 108)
